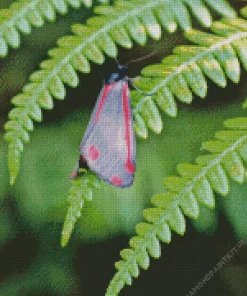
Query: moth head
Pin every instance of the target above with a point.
(122, 70)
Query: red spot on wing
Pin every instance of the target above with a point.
(116, 180)
(83, 159)
(106, 91)
(93, 152)
(73, 174)
(129, 167)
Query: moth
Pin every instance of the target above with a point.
(108, 147)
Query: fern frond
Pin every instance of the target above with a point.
(80, 191)
(23, 14)
(216, 56)
(114, 25)
(195, 183)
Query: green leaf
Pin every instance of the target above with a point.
(234, 166)
(166, 18)
(150, 23)
(35, 17)
(194, 74)
(80, 63)
(181, 14)
(200, 11)
(45, 101)
(179, 88)
(47, 10)
(196, 183)
(120, 36)
(163, 200)
(214, 146)
(204, 193)
(229, 61)
(152, 214)
(188, 170)
(164, 233)
(151, 115)
(137, 31)
(94, 54)
(80, 191)
(135, 242)
(190, 206)
(176, 221)
(153, 247)
(69, 76)
(174, 183)
(143, 228)
(140, 127)
(211, 67)
(237, 123)
(106, 44)
(218, 179)
(56, 88)
(3, 47)
(143, 259)
(12, 37)
(222, 5)
(21, 15)
(230, 136)
(165, 100)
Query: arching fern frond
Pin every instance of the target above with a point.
(23, 14)
(195, 183)
(114, 25)
(216, 56)
(80, 191)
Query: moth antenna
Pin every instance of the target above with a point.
(116, 60)
(142, 58)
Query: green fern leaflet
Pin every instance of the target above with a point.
(80, 191)
(24, 14)
(215, 56)
(195, 184)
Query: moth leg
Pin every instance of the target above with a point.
(81, 167)
(131, 84)
(75, 172)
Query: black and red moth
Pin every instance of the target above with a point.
(108, 147)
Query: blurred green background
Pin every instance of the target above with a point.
(32, 211)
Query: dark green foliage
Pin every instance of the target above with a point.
(215, 55)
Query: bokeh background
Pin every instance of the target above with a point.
(32, 211)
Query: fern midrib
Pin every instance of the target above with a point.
(174, 204)
(191, 61)
(18, 15)
(104, 29)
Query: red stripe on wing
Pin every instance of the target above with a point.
(129, 166)
(107, 88)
